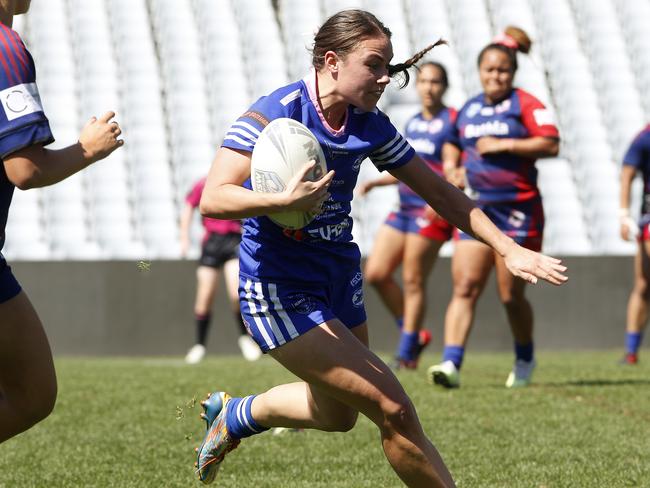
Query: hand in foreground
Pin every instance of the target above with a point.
(492, 145)
(99, 137)
(305, 195)
(530, 265)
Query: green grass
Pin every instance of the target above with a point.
(134, 423)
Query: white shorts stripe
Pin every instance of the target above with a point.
(279, 308)
(264, 309)
(253, 308)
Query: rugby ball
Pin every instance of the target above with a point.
(282, 149)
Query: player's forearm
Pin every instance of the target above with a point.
(36, 167)
(229, 201)
(627, 176)
(532, 147)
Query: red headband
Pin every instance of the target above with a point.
(506, 40)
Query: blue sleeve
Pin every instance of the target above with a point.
(22, 120)
(392, 150)
(638, 151)
(243, 133)
(452, 134)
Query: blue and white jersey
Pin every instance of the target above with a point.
(22, 121)
(323, 250)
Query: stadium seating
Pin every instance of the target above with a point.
(178, 72)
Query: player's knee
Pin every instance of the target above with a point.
(374, 276)
(35, 408)
(467, 288)
(413, 282)
(399, 415)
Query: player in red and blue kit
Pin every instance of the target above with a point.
(501, 133)
(637, 160)
(27, 378)
(301, 291)
(414, 234)
(219, 251)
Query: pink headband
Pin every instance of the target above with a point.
(506, 40)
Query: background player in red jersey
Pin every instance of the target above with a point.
(219, 251)
(28, 386)
(500, 134)
(412, 236)
(637, 159)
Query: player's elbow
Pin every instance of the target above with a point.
(211, 209)
(25, 180)
(553, 148)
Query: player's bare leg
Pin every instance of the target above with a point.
(385, 257)
(27, 379)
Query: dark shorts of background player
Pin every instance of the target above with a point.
(9, 286)
(522, 221)
(219, 248)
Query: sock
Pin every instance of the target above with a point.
(240, 322)
(454, 354)
(633, 341)
(524, 352)
(400, 322)
(239, 421)
(202, 326)
(407, 345)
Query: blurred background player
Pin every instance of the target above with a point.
(28, 386)
(637, 159)
(219, 250)
(412, 235)
(500, 133)
(301, 292)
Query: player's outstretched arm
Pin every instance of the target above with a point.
(454, 206)
(35, 166)
(224, 197)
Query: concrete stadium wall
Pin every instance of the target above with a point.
(115, 308)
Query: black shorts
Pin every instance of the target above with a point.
(9, 286)
(219, 248)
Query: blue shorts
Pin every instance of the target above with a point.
(9, 286)
(276, 313)
(407, 222)
(522, 221)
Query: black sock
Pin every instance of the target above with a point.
(202, 327)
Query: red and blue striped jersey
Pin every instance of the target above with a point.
(22, 121)
(426, 136)
(502, 177)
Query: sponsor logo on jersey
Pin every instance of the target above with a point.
(302, 304)
(356, 166)
(503, 106)
(256, 116)
(543, 116)
(356, 279)
(473, 110)
(516, 218)
(20, 100)
(492, 128)
(357, 298)
(332, 232)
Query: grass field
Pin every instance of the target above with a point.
(134, 423)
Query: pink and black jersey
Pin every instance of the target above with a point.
(211, 226)
(22, 121)
(426, 136)
(501, 177)
(323, 251)
(638, 156)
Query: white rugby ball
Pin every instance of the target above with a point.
(282, 149)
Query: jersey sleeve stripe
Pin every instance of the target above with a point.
(394, 159)
(19, 50)
(5, 66)
(247, 135)
(388, 145)
(290, 97)
(248, 127)
(7, 49)
(238, 140)
(389, 154)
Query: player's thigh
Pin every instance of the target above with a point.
(420, 254)
(207, 281)
(231, 277)
(386, 253)
(332, 359)
(471, 265)
(26, 365)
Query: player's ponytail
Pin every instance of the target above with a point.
(511, 40)
(343, 31)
